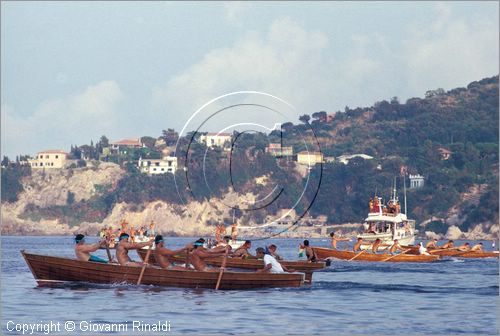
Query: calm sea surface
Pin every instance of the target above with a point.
(447, 297)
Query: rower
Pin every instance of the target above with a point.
(225, 241)
(477, 248)
(432, 244)
(151, 231)
(83, 250)
(162, 253)
(197, 256)
(357, 246)
(335, 239)
(271, 265)
(271, 249)
(234, 231)
(464, 247)
(310, 254)
(242, 251)
(375, 245)
(395, 246)
(124, 246)
(422, 250)
(448, 245)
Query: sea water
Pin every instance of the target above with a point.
(446, 297)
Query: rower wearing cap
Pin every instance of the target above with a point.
(199, 253)
(162, 253)
(124, 246)
(83, 250)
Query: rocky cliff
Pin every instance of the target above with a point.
(45, 189)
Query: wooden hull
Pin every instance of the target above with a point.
(48, 269)
(474, 255)
(324, 253)
(251, 264)
(458, 254)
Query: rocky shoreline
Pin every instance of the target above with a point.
(51, 188)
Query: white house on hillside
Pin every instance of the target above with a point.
(158, 166)
(346, 158)
(51, 159)
(216, 139)
(416, 181)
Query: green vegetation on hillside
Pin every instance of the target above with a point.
(408, 136)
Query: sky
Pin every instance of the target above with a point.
(73, 71)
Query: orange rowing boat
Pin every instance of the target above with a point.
(324, 253)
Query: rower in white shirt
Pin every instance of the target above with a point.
(271, 265)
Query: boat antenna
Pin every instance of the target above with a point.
(404, 187)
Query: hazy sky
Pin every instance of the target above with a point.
(73, 71)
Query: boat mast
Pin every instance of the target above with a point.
(404, 187)
(394, 191)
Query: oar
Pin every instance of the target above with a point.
(146, 259)
(387, 259)
(357, 255)
(222, 268)
(186, 263)
(107, 251)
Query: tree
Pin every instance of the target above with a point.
(104, 141)
(305, 118)
(321, 116)
(287, 126)
(170, 136)
(148, 141)
(394, 101)
(5, 161)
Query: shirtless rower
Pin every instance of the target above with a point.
(310, 254)
(198, 255)
(124, 246)
(335, 239)
(477, 248)
(242, 251)
(395, 246)
(375, 245)
(162, 253)
(464, 247)
(448, 245)
(432, 244)
(83, 250)
(357, 246)
(225, 241)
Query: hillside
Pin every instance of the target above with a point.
(460, 191)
